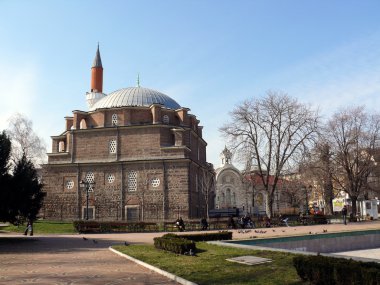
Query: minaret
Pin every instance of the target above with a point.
(96, 92)
(97, 74)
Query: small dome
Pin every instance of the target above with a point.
(135, 96)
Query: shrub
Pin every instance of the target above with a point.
(174, 243)
(329, 270)
(102, 227)
(225, 235)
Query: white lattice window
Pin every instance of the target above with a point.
(69, 184)
(90, 178)
(112, 146)
(132, 180)
(165, 119)
(155, 182)
(114, 119)
(110, 178)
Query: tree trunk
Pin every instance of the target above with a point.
(328, 199)
(269, 205)
(354, 199)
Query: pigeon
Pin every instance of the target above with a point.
(126, 244)
(273, 230)
(94, 241)
(283, 231)
(84, 238)
(325, 231)
(309, 233)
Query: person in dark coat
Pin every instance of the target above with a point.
(344, 214)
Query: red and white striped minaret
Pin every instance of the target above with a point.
(97, 74)
(96, 92)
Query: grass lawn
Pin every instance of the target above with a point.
(44, 227)
(209, 266)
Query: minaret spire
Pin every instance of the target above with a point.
(97, 59)
(97, 73)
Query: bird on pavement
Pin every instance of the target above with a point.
(126, 244)
(84, 238)
(94, 241)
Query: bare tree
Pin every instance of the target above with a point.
(353, 134)
(206, 184)
(274, 131)
(25, 140)
(317, 170)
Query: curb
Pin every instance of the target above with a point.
(153, 268)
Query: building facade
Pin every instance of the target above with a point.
(141, 151)
(245, 191)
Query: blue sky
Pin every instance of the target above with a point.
(207, 55)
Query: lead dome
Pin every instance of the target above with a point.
(135, 96)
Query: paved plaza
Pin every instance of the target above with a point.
(68, 260)
(71, 259)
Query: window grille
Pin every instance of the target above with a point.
(132, 180)
(110, 178)
(69, 184)
(114, 119)
(90, 178)
(112, 146)
(155, 182)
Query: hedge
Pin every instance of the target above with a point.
(174, 243)
(225, 235)
(323, 270)
(102, 227)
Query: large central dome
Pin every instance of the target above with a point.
(135, 96)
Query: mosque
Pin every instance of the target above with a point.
(134, 155)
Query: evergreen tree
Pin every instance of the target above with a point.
(5, 178)
(26, 191)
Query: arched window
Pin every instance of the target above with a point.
(113, 146)
(114, 120)
(259, 199)
(83, 124)
(228, 197)
(90, 178)
(61, 146)
(132, 180)
(233, 200)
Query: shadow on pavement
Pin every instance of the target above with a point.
(43, 244)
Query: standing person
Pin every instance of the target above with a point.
(344, 214)
(29, 228)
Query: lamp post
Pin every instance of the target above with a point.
(87, 185)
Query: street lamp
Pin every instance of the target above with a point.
(88, 186)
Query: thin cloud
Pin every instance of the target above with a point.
(348, 75)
